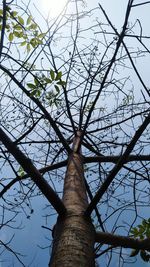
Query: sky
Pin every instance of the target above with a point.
(33, 231)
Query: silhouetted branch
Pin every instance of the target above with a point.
(118, 166)
(35, 175)
(122, 241)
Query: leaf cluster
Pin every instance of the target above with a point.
(41, 83)
(141, 231)
(26, 31)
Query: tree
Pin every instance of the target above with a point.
(75, 127)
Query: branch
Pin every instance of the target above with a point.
(114, 159)
(122, 241)
(118, 166)
(112, 61)
(42, 108)
(96, 209)
(130, 58)
(3, 27)
(35, 175)
(141, 4)
(42, 170)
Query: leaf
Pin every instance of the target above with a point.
(41, 35)
(23, 43)
(18, 34)
(29, 19)
(14, 13)
(145, 257)
(33, 42)
(33, 93)
(58, 76)
(62, 83)
(21, 172)
(33, 26)
(7, 27)
(148, 233)
(57, 89)
(17, 27)
(134, 231)
(52, 74)
(21, 20)
(8, 8)
(47, 80)
(134, 252)
(11, 37)
(36, 82)
(31, 85)
(38, 93)
(28, 48)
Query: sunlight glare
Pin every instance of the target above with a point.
(53, 7)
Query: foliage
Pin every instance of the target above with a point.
(27, 32)
(141, 231)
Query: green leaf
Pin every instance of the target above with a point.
(31, 85)
(147, 233)
(58, 76)
(144, 223)
(38, 93)
(11, 37)
(21, 172)
(141, 229)
(134, 252)
(52, 74)
(17, 27)
(33, 93)
(21, 20)
(36, 82)
(14, 13)
(29, 19)
(145, 257)
(33, 26)
(23, 43)
(7, 27)
(33, 42)
(25, 36)
(8, 8)
(134, 231)
(18, 34)
(62, 83)
(1, 12)
(47, 80)
(41, 35)
(28, 48)
(57, 89)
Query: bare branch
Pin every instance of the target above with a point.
(35, 175)
(122, 241)
(118, 166)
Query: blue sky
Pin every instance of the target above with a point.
(33, 235)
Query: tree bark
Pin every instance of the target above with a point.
(122, 241)
(74, 234)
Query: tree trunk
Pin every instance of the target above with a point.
(74, 235)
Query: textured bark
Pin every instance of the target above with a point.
(73, 243)
(74, 234)
(122, 241)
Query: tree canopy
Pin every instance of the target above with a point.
(84, 72)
